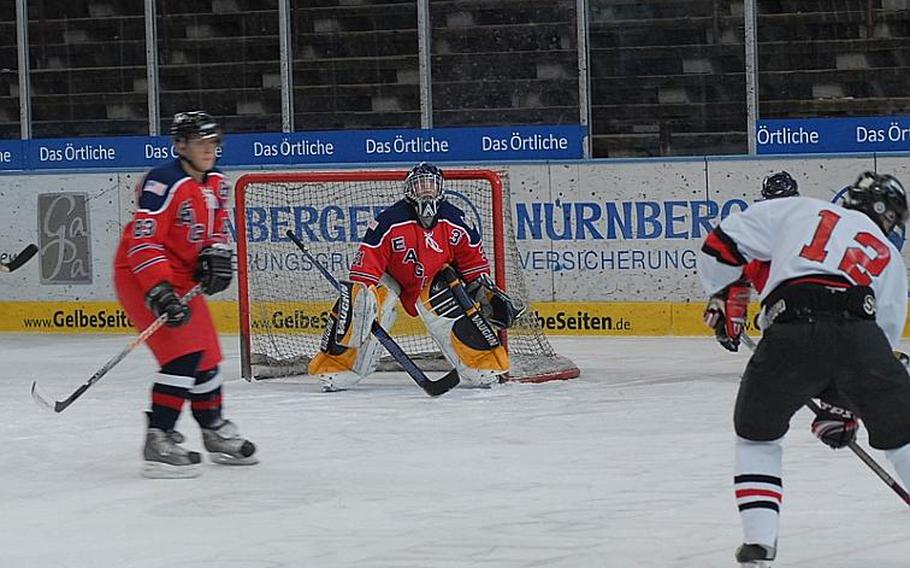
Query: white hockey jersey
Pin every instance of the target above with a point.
(802, 236)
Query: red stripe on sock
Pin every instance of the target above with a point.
(740, 493)
(211, 404)
(167, 400)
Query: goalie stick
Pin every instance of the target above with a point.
(854, 447)
(433, 388)
(20, 259)
(61, 405)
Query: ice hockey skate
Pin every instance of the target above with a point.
(755, 556)
(165, 459)
(226, 446)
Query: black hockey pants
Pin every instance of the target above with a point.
(831, 353)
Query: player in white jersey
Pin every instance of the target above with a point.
(836, 302)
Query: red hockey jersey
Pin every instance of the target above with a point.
(396, 243)
(175, 218)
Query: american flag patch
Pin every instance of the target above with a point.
(372, 224)
(155, 187)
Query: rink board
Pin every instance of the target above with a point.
(555, 318)
(606, 247)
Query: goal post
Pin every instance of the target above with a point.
(284, 301)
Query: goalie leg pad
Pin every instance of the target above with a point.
(357, 307)
(464, 346)
(339, 367)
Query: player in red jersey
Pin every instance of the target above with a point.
(418, 250)
(177, 238)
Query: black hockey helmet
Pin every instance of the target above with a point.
(882, 198)
(424, 188)
(777, 185)
(195, 124)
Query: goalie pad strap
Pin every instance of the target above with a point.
(482, 330)
(354, 362)
(357, 308)
(459, 339)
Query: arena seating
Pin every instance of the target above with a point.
(667, 76)
(9, 80)
(87, 68)
(681, 64)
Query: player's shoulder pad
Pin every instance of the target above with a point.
(224, 184)
(454, 215)
(216, 172)
(158, 184)
(400, 212)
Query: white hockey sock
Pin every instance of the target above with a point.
(901, 460)
(759, 490)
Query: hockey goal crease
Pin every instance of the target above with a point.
(284, 301)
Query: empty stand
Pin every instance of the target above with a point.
(508, 62)
(834, 58)
(667, 76)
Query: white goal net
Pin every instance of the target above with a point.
(285, 301)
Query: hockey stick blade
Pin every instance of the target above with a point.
(61, 405)
(433, 388)
(854, 447)
(43, 402)
(20, 259)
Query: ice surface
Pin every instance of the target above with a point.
(628, 466)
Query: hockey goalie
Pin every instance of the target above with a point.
(421, 253)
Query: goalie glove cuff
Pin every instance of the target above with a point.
(496, 306)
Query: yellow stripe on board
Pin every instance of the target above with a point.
(556, 318)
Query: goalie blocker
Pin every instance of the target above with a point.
(465, 331)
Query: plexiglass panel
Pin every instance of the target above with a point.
(9, 65)
(355, 64)
(668, 77)
(220, 56)
(501, 63)
(834, 58)
(87, 67)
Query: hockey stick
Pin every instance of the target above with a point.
(61, 405)
(433, 388)
(20, 259)
(854, 447)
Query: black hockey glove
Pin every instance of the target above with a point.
(161, 299)
(214, 271)
(495, 305)
(726, 314)
(834, 426)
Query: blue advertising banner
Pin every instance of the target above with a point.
(324, 148)
(833, 135)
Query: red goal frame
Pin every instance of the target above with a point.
(244, 181)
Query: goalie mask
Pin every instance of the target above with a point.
(424, 188)
(883, 199)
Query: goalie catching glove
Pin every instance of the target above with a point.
(495, 305)
(834, 426)
(726, 314)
